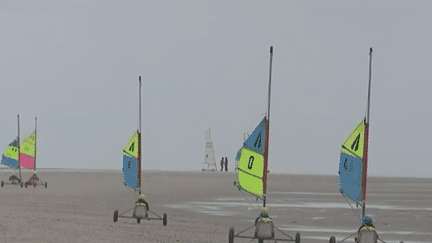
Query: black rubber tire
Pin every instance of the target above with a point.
(260, 241)
(22, 184)
(34, 185)
(115, 216)
(332, 239)
(25, 185)
(297, 238)
(231, 236)
(165, 219)
(139, 220)
(45, 185)
(2, 183)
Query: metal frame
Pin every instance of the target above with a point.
(254, 237)
(157, 216)
(13, 180)
(35, 181)
(356, 234)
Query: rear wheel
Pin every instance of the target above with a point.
(115, 216)
(34, 185)
(22, 184)
(138, 220)
(260, 241)
(332, 239)
(165, 219)
(297, 239)
(2, 183)
(45, 185)
(231, 236)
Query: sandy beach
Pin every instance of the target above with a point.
(202, 206)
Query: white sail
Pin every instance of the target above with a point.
(209, 156)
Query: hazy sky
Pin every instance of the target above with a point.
(204, 64)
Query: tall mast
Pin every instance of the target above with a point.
(267, 135)
(35, 143)
(19, 149)
(366, 138)
(139, 141)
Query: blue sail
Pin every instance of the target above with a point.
(255, 141)
(350, 168)
(351, 164)
(130, 171)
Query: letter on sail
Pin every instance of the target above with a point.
(250, 162)
(28, 151)
(350, 165)
(130, 157)
(10, 156)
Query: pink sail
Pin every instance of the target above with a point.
(27, 161)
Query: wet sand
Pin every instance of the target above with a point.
(202, 206)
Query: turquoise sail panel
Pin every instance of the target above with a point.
(130, 171)
(14, 142)
(255, 141)
(238, 155)
(11, 163)
(350, 169)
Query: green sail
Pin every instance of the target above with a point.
(249, 172)
(131, 148)
(28, 145)
(354, 144)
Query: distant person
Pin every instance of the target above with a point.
(226, 164)
(222, 163)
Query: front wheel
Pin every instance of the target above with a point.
(332, 239)
(115, 216)
(139, 220)
(45, 185)
(22, 184)
(34, 185)
(2, 183)
(165, 219)
(231, 236)
(297, 238)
